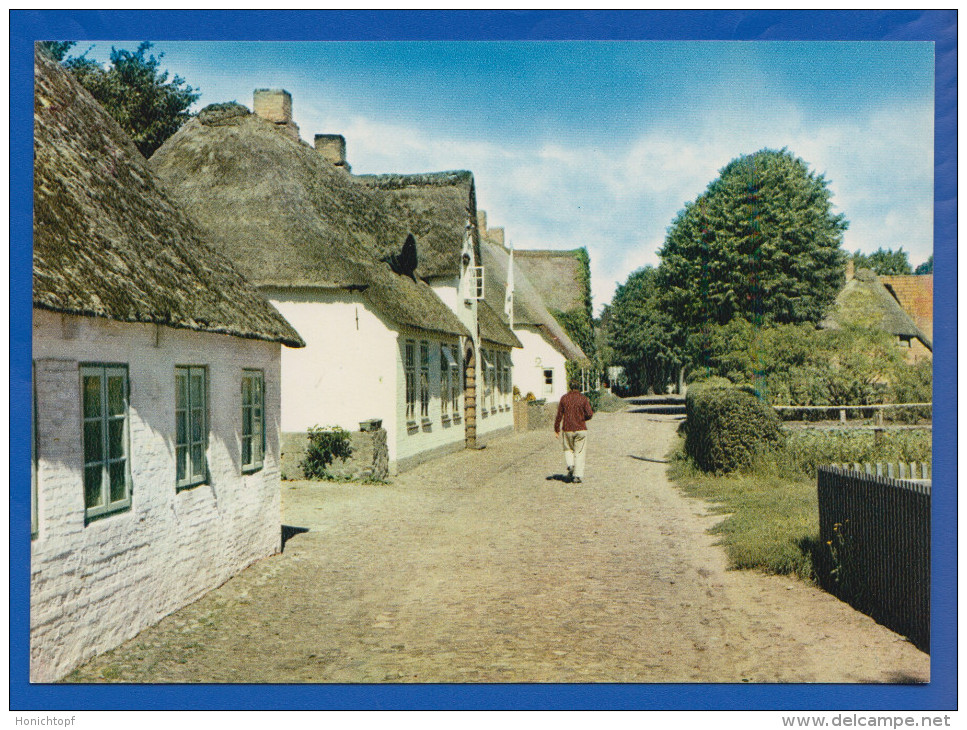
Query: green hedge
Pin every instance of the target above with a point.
(726, 428)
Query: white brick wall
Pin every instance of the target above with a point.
(96, 585)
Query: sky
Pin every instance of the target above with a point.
(599, 143)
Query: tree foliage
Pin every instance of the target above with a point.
(641, 334)
(761, 244)
(884, 261)
(135, 90)
(926, 267)
(802, 365)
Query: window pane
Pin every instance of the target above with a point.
(92, 486)
(246, 391)
(181, 389)
(197, 461)
(246, 451)
(181, 423)
(247, 421)
(257, 388)
(115, 438)
(93, 442)
(196, 424)
(92, 396)
(197, 388)
(118, 487)
(181, 458)
(115, 395)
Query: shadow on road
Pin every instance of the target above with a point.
(557, 478)
(288, 532)
(645, 458)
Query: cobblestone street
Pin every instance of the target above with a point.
(483, 567)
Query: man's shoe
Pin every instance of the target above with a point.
(576, 480)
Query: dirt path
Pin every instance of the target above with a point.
(479, 568)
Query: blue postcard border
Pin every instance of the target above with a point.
(939, 26)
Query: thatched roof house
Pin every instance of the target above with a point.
(155, 394)
(529, 308)
(289, 217)
(108, 242)
(865, 301)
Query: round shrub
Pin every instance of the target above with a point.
(325, 446)
(726, 427)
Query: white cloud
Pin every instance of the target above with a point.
(618, 200)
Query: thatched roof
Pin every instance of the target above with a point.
(915, 294)
(109, 243)
(289, 218)
(865, 301)
(529, 308)
(493, 326)
(557, 276)
(436, 208)
(439, 208)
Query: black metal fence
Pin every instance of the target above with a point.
(875, 549)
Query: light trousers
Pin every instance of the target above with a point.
(574, 450)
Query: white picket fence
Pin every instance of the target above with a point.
(912, 471)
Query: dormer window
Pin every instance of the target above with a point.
(474, 283)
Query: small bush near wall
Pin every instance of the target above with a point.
(727, 428)
(325, 446)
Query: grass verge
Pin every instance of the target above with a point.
(772, 510)
(770, 521)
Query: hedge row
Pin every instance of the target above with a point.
(726, 427)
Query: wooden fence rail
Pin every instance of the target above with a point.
(878, 407)
(875, 547)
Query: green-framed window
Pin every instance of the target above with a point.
(253, 419)
(425, 381)
(191, 425)
(107, 480)
(409, 369)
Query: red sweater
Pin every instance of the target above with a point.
(573, 410)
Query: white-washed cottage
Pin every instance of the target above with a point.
(539, 366)
(156, 373)
(329, 253)
(440, 210)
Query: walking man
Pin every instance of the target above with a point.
(572, 413)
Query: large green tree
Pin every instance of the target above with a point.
(884, 261)
(761, 243)
(926, 267)
(642, 336)
(133, 89)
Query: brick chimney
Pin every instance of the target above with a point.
(275, 105)
(333, 148)
(482, 223)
